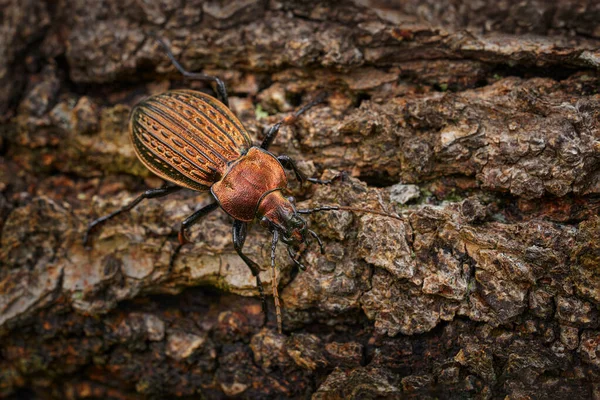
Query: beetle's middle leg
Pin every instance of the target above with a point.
(272, 133)
(239, 238)
(186, 224)
(192, 219)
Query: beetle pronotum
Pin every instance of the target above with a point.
(194, 141)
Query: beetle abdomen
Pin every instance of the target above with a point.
(187, 137)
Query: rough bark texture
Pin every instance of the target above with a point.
(477, 122)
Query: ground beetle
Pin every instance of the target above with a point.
(194, 141)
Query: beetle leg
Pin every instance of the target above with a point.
(148, 194)
(221, 89)
(293, 257)
(186, 224)
(289, 120)
(314, 234)
(192, 219)
(288, 163)
(239, 237)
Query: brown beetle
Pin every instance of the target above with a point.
(194, 141)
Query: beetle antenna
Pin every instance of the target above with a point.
(274, 280)
(345, 208)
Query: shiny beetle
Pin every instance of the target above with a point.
(194, 141)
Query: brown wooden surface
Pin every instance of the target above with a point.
(477, 122)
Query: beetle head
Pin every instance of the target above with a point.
(279, 213)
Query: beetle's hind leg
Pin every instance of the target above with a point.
(239, 238)
(221, 89)
(186, 224)
(148, 194)
(289, 120)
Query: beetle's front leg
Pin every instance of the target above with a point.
(239, 238)
(288, 163)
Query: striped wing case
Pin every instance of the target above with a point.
(187, 137)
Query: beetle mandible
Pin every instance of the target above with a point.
(194, 141)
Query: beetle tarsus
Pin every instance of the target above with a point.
(318, 100)
(263, 299)
(293, 257)
(342, 176)
(194, 218)
(314, 234)
(289, 120)
(185, 225)
(289, 163)
(221, 89)
(173, 257)
(274, 281)
(239, 238)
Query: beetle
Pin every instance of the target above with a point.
(194, 141)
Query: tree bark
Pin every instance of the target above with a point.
(477, 124)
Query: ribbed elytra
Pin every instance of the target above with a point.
(187, 137)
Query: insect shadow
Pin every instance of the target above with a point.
(194, 141)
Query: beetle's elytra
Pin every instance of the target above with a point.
(194, 141)
(187, 137)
